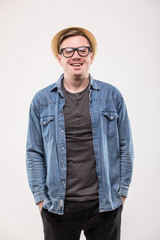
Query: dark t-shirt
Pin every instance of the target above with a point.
(82, 183)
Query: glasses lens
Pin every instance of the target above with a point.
(68, 52)
(83, 51)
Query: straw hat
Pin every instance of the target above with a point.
(88, 34)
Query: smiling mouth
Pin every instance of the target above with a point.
(76, 64)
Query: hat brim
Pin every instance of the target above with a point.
(88, 34)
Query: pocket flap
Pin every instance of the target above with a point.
(45, 120)
(110, 115)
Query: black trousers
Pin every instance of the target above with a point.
(80, 216)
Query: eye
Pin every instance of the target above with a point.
(83, 50)
(68, 50)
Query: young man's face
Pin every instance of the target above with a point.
(75, 66)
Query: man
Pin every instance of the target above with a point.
(79, 147)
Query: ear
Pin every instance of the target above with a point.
(92, 57)
(59, 57)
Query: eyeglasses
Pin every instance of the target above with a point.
(69, 52)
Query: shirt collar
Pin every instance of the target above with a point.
(57, 85)
(93, 83)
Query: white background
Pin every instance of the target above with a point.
(128, 35)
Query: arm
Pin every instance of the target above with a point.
(126, 149)
(35, 156)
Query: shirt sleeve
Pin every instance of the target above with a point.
(126, 148)
(35, 161)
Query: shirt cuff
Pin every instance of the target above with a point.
(39, 197)
(123, 190)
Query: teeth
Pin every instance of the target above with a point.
(76, 64)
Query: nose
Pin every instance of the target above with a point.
(76, 55)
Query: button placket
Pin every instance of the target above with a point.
(61, 131)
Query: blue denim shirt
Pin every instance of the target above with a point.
(46, 146)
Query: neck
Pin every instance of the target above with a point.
(76, 84)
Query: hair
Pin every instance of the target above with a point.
(71, 33)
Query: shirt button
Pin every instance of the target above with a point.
(60, 114)
(111, 117)
(91, 112)
(62, 148)
(62, 182)
(62, 130)
(94, 129)
(63, 165)
(44, 122)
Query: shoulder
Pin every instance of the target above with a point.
(45, 90)
(44, 96)
(108, 91)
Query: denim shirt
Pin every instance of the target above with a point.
(46, 146)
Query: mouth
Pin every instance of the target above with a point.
(76, 64)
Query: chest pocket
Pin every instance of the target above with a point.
(47, 125)
(110, 123)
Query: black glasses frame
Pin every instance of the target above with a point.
(75, 49)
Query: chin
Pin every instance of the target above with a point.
(78, 73)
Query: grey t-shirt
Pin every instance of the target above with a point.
(82, 183)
